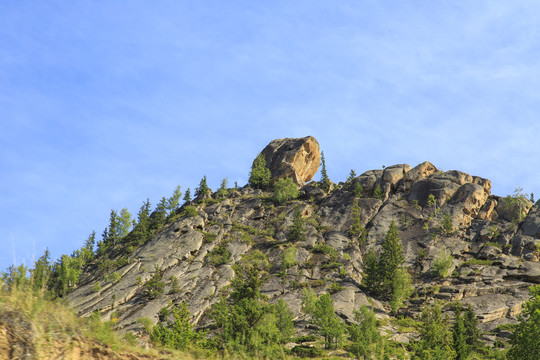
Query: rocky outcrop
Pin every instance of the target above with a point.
(298, 159)
(437, 213)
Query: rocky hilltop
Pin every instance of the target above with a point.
(492, 243)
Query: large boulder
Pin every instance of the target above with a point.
(298, 159)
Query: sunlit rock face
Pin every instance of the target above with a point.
(298, 159)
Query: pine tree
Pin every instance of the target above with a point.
(112, 235)
(372, 274)
(124, 223)
(401, 289)
(141, 231)
(222, 191)
(435, 335)
(297, 232)
(328, 323)
(174, 201)
(364, 335)
(41, 272)
(459, 335)
(284, 190)
(470, 322)
(352, 176)
(526, 337)
(203, 190)
(187, 195)
(159, 216)
(392, 257)
(325, 180)
(260, 175)
(357, 230)
(284, 321)
(86, 253)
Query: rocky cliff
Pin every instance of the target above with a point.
(492, 243)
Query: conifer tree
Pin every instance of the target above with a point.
(187, 195)
(392, 257)
(329, 325)
(141, 231)
(459, 335)
(325, 180)
(203, 190)
(435, 335)
(284, 190)
(86, 253)
(526, 337)
(364, 334)
(222, 191)
(372, 274)
(357, 230)
(297, 232)
(41, 272)
(260, 175)
(124, 223)
(112, 234)
(401, 288)
(174, 201)
(159, 216)
(470, 322)
(352, 175)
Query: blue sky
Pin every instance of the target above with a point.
(106, 103)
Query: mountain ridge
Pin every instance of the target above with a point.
(492, 242)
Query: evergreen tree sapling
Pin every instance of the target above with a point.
(260, 175)
(357, 230)
(284, 190)
(222, 191)
(187, 195)
(202, 190)
(174, 201)
(325, 180)
(297, 231)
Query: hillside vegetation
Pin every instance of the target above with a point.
(399, 262)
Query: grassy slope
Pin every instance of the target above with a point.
(33, 327)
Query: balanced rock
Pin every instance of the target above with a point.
(298, 159)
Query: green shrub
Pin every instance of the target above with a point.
(219, 255)
(179, 334)
(260, 175)
(297, 231)
(377, 193)
(209, 237)
(305, 351)
(304, 338)
(447, 225)
(477, 262)
(97, 287)
(441, 264)
(155, 286)
(358, 190)
(335, 287)
(289, 257)
(189, 211)
(284, 190)
(174, 284)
